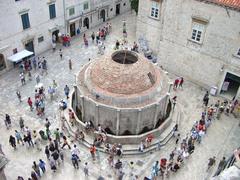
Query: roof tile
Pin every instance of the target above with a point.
(229, 3)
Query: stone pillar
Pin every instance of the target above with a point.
(156, 114)
(75, 96)
(82, 104)
(118, 120)
(167, 97)
(139, 122)
(97, 114)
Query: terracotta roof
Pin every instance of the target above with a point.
(235, 4)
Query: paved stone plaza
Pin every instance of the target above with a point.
(221, 139)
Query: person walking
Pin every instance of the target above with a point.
(19, 96)
(65, 142)
(211, 162)
(221, 164)
(70, 64)
(60, 54)
(75, 161)
(53, 165)
(85, 169)
(178, 138)
(12, 141)
(37, 79)
(42, 165)
(36, 169)
(7, 121)
(18, 137)
(66, 91)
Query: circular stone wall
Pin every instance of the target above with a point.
(124, 93)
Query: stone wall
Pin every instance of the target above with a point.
(169, 38)
(122, 120)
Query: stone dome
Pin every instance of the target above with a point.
(123, 73)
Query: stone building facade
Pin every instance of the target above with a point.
(27, 24)
(196, 39)
(84, 14)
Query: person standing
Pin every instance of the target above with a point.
(60, 54)
(175, 84)
(34, 62)
(93, 151)
(30, 103)
(42, 165)
(22, 78)
(174, 101)
(66, 91)
(70, 64)
(181, 82)
(47, 152)
(21, 123)
(12, 141)
(93, 37)
(206, 99)
(19, 96)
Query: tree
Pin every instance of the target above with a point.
(134, 5)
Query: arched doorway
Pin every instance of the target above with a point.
(2, 62)
(103, 15)
(86, 22)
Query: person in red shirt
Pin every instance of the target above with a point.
(181, 82)
(30, 103)
(175, 85)
(93, 151)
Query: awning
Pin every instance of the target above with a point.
(20, 55)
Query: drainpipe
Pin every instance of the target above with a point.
(64, 16)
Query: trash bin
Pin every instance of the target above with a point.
(213, 90)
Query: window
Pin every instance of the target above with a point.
(238, 53)
(155, 10)
(85, 6)
(71, 11)
(40, 39)
(124, 4)
(198, 30)
(25, 21)
(52, 11)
